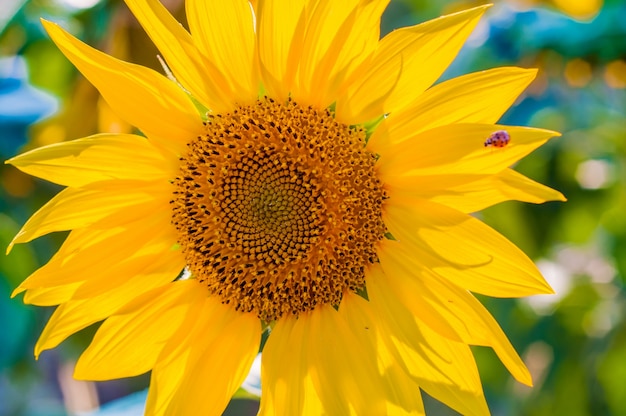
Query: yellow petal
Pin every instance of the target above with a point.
(481, 97)
(48, 296)
(472, 193)
(482, 260)
(191, 68)
(402, 393)
(489, 333)
(339, 37)
(288, 385)
(412, 292)
(220, 350)
(347, 378)
(456, 149)
(444, 369)
(152, 258)
(350, 50)
(324, 22)
(89, 254)
(444, 307)
(146, 248)
(169, 371)
(226, 361)
(81, 207)
(74, 315)
(407, 61)
(95, 158)
(139, 95)
(224, 31)
(128, 343)
(516, 186)
(280, 35)
(343, 372)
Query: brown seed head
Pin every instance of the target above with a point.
(278, 208)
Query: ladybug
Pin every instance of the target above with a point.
(499, 138)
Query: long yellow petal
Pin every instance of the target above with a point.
(280, 35)
(220, 349)
(489, 333)
(224, 31)
(151, 258)
(96, 158)
(191, 68)
(48, 296)
(339, 37)
(390, 279)
(152, 252)
(288, 385)
(456, 149)
(223, 353)
(88, 254)
(482, 260)
(481, 97)
(407, 62)
(519, 187)
(402, 392)
(171, 366)
(444, 306)
(348, 54)
(128, 343)
(443, 368)
(81, 207)
(139, 95)
(74, 315)
(324, 21)
(345, 377)
(473, 193)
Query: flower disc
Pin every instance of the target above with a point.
(278, 208)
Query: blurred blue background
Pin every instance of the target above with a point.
(573, 342)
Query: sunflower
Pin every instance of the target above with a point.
(297, 179)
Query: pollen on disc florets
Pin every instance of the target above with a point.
(278, 208)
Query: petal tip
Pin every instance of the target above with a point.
(482, 8)
(531, 72)
(47, 24)
(17, 291)
(9, 247)
(38, 350)
(527, 381)
(546, 289)
(522, 374)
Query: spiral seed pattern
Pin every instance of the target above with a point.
(278, 208)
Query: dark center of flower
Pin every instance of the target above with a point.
(278, 208)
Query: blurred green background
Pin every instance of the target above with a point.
(574, 342)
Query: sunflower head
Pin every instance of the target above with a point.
(326, 196)
(278, 208)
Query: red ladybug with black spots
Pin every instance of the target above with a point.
(499, 138)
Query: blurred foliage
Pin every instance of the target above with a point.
(574, 342)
